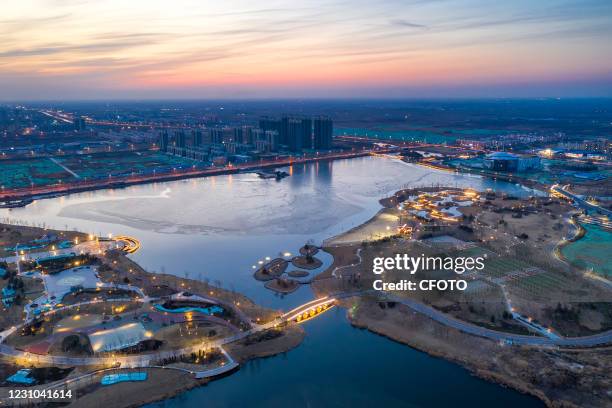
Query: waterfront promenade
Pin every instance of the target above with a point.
(13, 196)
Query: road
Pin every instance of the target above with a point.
(339, 268)
(117, 182)
(582, 203)
(143, 359)
(440, 317)
(469, 328)
(87, 247)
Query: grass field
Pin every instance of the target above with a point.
(22, 173)
(592, 251)
(543, 284)
(48, 171)
(497, 267)
(122, 163)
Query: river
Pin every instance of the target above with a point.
(218, 228)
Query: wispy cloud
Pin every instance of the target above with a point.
(94, 47)
(405, 23)
(115, 44)
(29, 21)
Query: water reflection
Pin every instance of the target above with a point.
(217, 228)
(339, 366)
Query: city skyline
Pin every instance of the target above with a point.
(155, 50)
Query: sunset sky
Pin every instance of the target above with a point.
(79, 49)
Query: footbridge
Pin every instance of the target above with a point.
(309, 310)
(130, 244)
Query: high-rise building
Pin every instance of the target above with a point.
(197, 138)
(294, 134)
(163, 141)
(230, 147)
(247, 135)
(306, 133)
(179, 137)
(258, 134)
(262, 146)
(298, 133)
(228, 135)
(272, 139)
(206, 136)
(79, 123)
(323, 133)
(216, 135)
(267, 123)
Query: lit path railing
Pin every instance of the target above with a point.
(130, 244)
(309, 310)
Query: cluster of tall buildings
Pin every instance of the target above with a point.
(273, 135)
(298, 133)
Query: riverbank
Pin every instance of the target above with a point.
(341, 353)
(22, 197)
(561, 378)
(264, 338)
(511, 178)
(163, 384)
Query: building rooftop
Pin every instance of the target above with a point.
(119, 337)
(502, 156)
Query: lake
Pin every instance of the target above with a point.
(218, 228)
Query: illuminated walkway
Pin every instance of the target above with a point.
(309, 310)
(313, 308)
(94, 246)
(130, 244)
(469, 328)
(562, 191)
(300, 314)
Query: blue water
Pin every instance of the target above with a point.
(206, 310)
(111, 379)
(218, 228)
(339, 366)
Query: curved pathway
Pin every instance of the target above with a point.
(469, 328)
(338, 268)
(440, 317)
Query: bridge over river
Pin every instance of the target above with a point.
(298, 315)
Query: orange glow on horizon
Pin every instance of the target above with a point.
(199, 48)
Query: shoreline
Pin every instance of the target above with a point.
(22, 198)
(185, 382)
(483, 374)
(440, 341)
(166, 383)
(480, 372)
(532, 184)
